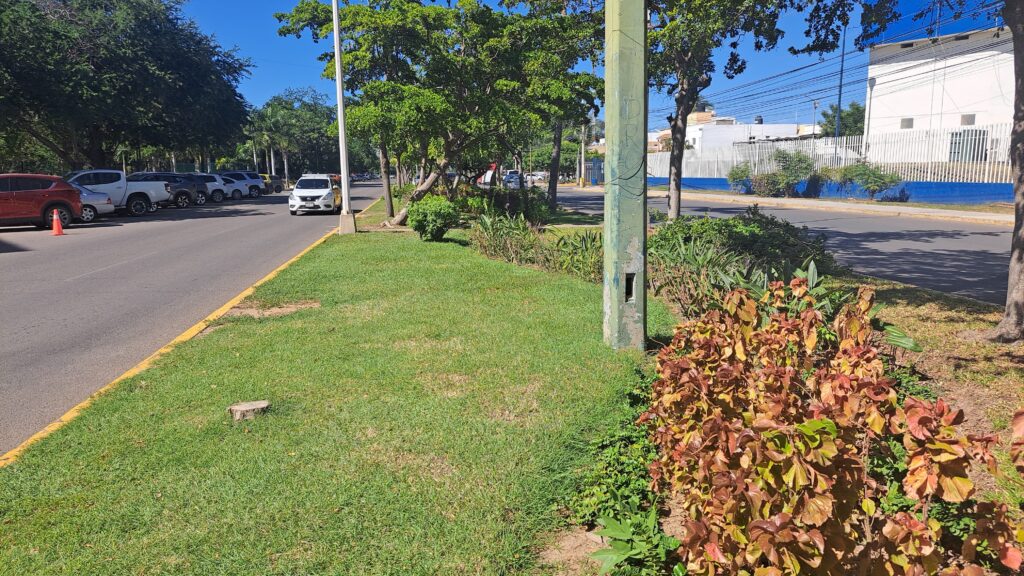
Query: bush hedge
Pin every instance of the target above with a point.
(432, 217)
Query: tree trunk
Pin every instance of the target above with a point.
(385, 178)
(255, 162)
(1011, 328)
(420, 192)
(273, 162)
(284, 156)
(555, 167)
(677, 124)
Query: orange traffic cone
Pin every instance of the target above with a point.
(58, 228)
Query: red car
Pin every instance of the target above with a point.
(32, 198)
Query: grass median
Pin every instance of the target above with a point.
(425, 419)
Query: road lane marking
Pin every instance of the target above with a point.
(111, 266)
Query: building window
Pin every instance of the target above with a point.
(906, 123)
(967, 120)
(907, 45)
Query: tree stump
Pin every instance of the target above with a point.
(248, 410)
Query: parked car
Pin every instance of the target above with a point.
(136, 198)
(511, 179)
(234, 190)
(94, 204)
(216, 186)
(32, 199)
(315, 193)
(251, 180)
(186, 189)
(272, 183)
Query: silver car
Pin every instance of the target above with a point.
(94, 204)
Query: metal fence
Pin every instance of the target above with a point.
(962, 154)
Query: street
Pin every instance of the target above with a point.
(956, 257)
(77, 311)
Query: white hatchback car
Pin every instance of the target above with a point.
(314, 193)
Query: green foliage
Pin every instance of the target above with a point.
(504, 237)
(131, 71)
(740, 175)
(871, 179)
(638, 547)
(432, 217)
(792, 168)
(657, 216)
(693, 274)
(851, 120)
(767, 185)
(402, 192)
(763, 241)
(580, 255)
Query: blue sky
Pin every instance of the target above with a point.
(287, 62)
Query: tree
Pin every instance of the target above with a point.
(684, 36)
(91, 76)
(851, 120)
(455, 76)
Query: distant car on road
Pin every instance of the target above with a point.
(315, 193)
(32, 199)
(250, 180)
(216, 186)
(272, 183)
(511, 179)
(186, 189)
(94, 204)
(136, 198)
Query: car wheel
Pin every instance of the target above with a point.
(200, 198)
(137, 205)
(217, 196)
(254, 192)
(293, 212)
(88, 214)
(236, 195)
(63, 212)
(182, 200)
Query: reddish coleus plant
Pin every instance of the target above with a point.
(764, 434)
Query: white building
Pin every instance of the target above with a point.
(707, 137)
(937, 83)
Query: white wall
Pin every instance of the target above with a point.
(935, 83)
(706, 137)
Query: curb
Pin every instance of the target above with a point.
(826, 206)
(12, 455)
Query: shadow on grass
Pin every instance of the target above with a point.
(574, 218)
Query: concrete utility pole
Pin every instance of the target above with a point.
(625, 200)
(347, 221)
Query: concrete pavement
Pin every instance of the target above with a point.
(963, 258)
(79, 310)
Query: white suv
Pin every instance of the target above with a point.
(314, 193)
(250, 180)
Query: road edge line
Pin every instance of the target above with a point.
(12, 455)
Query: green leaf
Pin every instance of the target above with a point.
(898, 338)
(814, 427)
(614, 529)
(608, 558)
(679, 570)
(812, 275)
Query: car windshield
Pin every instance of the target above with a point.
(312, 184)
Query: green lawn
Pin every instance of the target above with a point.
(425, 420)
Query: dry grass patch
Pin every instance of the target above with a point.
(445, 385)
(569, 554)
(425, 466)
(256, 309)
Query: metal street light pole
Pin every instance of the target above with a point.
(347, 221)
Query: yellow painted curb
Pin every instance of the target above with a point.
(71, 414)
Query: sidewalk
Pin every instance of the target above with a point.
(882, 209)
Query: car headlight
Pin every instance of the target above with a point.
(329, 197)
(292, 198)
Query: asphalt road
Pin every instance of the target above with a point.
(78, 311)
(955, 257)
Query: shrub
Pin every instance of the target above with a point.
(872, 180)
(768, 185)
(812, 188)
(739, 177)
(432, 217)
(693, 274)
(657, 216)
(793, 168)
(581, 255)
(508, 238)
(402, 192)
(765, 433)
(763, 241)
